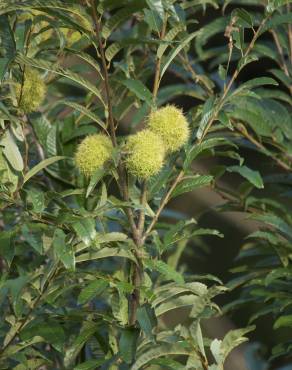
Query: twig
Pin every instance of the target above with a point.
(24, 321)
(163, 204)
(233, 78)
(259, 145)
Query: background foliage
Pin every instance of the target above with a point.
(89, 270)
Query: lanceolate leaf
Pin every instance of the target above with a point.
(7, 42)
(175, 52)
(192, 183)
(163, 350)
(86, 112)
(11, 151)
(252, 176)
(139, 89)
(40, 166)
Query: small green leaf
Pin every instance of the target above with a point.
(11, 151)
(128, 344)
(92, 290)
(63, 251)
(147, 319)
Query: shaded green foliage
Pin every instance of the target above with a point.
(87, 270)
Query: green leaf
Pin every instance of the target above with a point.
(139, 89)
(87, 331)
(197, 149)
(192, 183)
(7, 44)
(11, 151)
(89, 365)
(40, 166)
(63, 251)
(183, 43)
(41, 64)
(169, 37)
(121, 16)
(92, 290)
(111, 237)
(7, 246)
(182, 301)
(254, 177)
(157, 6)
(86, 112)
(105, 252)
(255, 82)
(128, 344)
(51, 331)
(221, 349)
(276, 222)
(85, 229)
(283, 321)
(207, 114)
(164, 350)
(146, 319)
(167, 271)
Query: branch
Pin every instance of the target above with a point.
(233, 78)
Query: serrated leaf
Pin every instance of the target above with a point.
(167, 271)
(164, 350)
(86, 112)
(139, 89)
(207, 113)
(7, 44)
(41, 64)
(40, 166)
(105, 252)
(11, 151)
(128, 344)
(189, 184)
(121, 16)
(86, 332)
(146, 319)
(254, 177)
(51, 331)
(63, 251)
(197, 149)
(169, 37)
(92, 290)
(183, 43)
(85, 229)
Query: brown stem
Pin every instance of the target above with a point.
(163, 204)
(158, 64)
(105, 74)
(280, 51)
